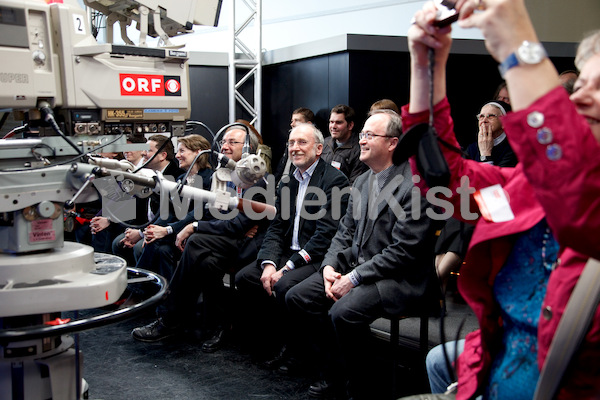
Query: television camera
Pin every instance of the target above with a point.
(75, 96)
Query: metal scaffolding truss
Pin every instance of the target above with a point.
(245, 59)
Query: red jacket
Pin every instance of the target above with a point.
(567, 192)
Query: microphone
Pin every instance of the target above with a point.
(245, 172)
(206, 196)
(122, 165)
(248, 171)
(225, 161)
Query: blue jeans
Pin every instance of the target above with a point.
(439, 376)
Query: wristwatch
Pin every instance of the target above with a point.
(528, 53)
(195, 226)
(485, 158)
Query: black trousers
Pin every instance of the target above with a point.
(264, 317)
(205, 260)
(338, 332)
(159, 256)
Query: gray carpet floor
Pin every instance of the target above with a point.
(116, 367)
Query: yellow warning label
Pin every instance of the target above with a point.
(125, 114)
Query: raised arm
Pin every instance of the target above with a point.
(423, 35)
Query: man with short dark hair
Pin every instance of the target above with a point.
(379, 262)
(302, 115)
(341, 149)
(129, 244)
(165, 159)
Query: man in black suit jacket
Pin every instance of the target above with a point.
(129, 244)
(211, 247)
(307, 203)
(379, 262)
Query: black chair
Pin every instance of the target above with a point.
(394, 344)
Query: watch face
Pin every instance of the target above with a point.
(531, 53)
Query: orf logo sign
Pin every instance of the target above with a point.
(149, 85)
(172, 85)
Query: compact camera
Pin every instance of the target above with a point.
(446, 13)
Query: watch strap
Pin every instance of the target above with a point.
(527, 53)
(510, 62)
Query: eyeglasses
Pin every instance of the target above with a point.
(488, 116)
(370, 135)
(301, 143)
(229, 142)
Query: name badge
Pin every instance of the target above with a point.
(493, 204)
(336, 164)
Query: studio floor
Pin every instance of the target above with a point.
(116, 367)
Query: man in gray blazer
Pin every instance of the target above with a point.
(380, 262)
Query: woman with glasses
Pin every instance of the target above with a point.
(526, 256)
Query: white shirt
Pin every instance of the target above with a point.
(303, 179)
